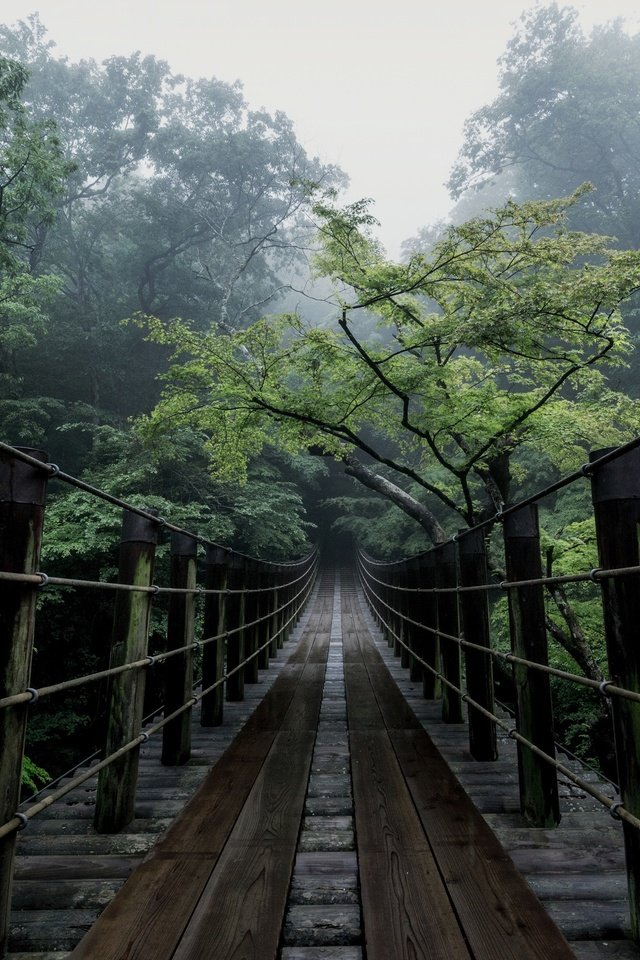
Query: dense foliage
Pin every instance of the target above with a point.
(151, 223)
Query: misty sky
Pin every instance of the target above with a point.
(380, 88)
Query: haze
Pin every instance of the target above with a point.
(381, 89)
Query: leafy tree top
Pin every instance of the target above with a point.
(498, 338)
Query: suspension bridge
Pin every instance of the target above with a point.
(329, 774)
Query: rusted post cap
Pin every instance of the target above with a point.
(183, 545)
(139, 529)
(215, 555)
(22, 482)
(618, 479)
(522, 522)
(470, 542)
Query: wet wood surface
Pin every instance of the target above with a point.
(434, 878)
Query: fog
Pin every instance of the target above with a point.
(381, 89)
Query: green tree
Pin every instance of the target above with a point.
(32, 175)
(489, 350)
(497, 339)
(183, 201)
(567, 112)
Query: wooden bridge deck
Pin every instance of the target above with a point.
(434, 881)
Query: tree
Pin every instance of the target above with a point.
(567, 112)
(182, 200)
(492, 347)
(497, 339)
(32, 175)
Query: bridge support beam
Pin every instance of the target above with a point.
(449, 623)
(616, 499)
(479, 666)
(214, 626)
(251, 614)
(178, 671)
(539, 801)
(235, 620)
(116, 793)
(428, 615)
(22, 497)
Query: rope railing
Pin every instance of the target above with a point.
(592, 576)
(20, 820)
(43, 580)
(434, 610)
(605, 687)
(615, 808)
(249, 607)
(33, 694)
(53, 472)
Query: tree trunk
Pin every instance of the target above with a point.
(401, 498)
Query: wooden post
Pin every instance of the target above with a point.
(251, 606)
(396, 602)
(415, 636)
(274, 623)
(178, 678)
(538, 779)
(386, 593)
(428, 614)
(285, 598)
(23, 490)
(116, 793)
(479, 666)
(402, 580)
(212, 709)
(282, 578)
(449, 623)
(616, 500)
(235, 618)
(264, 608)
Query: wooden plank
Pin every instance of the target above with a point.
(498, 911)
(242, 906)
(406, 911)
(149, 916)
(53, 869)
(584, 919)
(82, 894)
(499, 914)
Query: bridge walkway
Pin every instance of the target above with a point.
(232, 876)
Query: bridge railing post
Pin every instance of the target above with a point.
(235, 622)
(474, 608)
(116, 791)
(23, 490)
(285, 600)
(390, 598)
(538, 779)
(264, 609)
(395, 600)
(414, 635)
(616, 500)
(449, 623)
(403, 599)
(428, 615)
(250, 616)
(276, 599)
(178, 675)
(214, 625)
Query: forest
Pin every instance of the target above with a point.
(192, 319)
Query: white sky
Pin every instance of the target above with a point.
(381, 88)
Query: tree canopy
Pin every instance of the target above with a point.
(500, 335)
(178, 199)
(567, 112)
